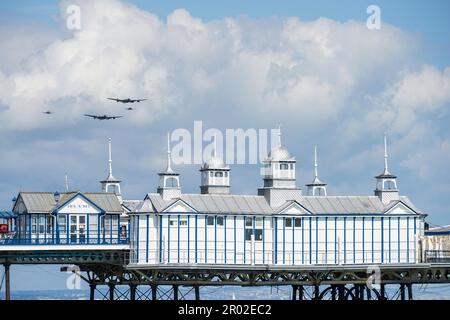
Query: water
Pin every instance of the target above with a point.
(425, 292)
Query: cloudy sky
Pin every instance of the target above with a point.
(315, 68)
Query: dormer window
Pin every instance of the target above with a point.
(389, 185)
(219, 174)
(171, 183)
(284, 166)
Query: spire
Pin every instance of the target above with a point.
(66, 182)
(215, 146)
(279, 135)
(386, 171)
(110, 158)
(316, 174)
(386, 188)
(169, 156)
(316, 187)
(110, 171)
(169, 180)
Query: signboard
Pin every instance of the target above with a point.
(3, 228)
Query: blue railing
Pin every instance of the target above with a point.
(109, 241)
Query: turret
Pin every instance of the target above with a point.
(386, 188)
(169, 180)
(111, 184)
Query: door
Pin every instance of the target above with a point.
(77, 228)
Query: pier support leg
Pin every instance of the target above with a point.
(357, 290)
(92, 287)
(382, 292)
(300, 292)
(7, 282)
(361, 292)
(197, 292)
(154, 292)
(111, 290)
(133, 292)
(333, 292)
(402, 291)
(369, 293)
(316, 292)
(410, 295)
(294, 292)
(175, 292)
(341, 292)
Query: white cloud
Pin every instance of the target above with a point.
(183, 64)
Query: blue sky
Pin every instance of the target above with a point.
(233, 64)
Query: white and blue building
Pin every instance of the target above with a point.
(278, 226)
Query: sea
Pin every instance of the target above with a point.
(420, 292)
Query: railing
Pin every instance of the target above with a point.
(267, 256)
(437, 256)
(64, 241)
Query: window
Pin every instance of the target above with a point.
(253, 228)
(49, 224)
(298, 222)
(292, 166)
(389, 185)
(211, 174)
(172, 183)
(226, 174)
(173, 222)
(62, 224)
(123, 232)
(41, 224)
(258, 234)
(183, 222)
(210, 221)
(219, 174)
(284, 166)
(288, 222)
(33, 225)
(219, 221)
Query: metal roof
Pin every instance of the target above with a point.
(38, 201)
(253, 204)
(445, 230)
(131, 204)
(7, 215)
(44, 202)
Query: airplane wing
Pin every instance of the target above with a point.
(139, 100)
(90, 115)
(115, 117)
(113, 99)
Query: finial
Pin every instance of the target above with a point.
(316, 173)
(110, 157)
(66, 182)
(215, 145)
(386, 171)
(169, 158)
(279, 135)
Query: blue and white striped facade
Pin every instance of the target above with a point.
(279, 226)
(291, 237)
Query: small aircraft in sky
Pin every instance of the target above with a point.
(48, 112)
(104, 117)
(127, 100)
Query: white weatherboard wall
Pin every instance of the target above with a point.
(317, 239)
